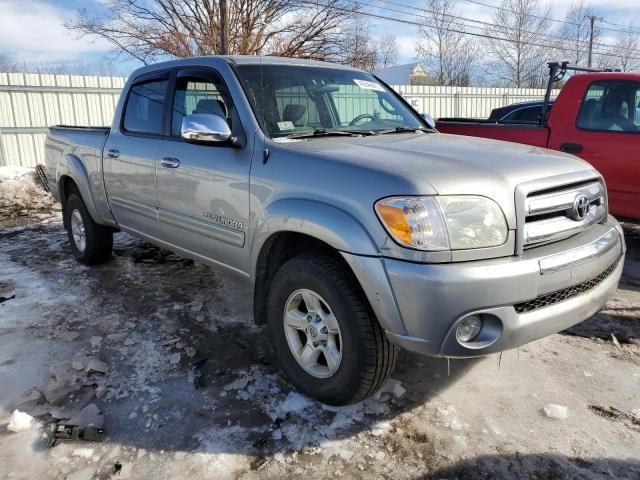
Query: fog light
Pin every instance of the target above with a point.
(469, 328)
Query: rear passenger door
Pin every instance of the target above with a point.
(203, 190)
(131, 152)
(607, 135)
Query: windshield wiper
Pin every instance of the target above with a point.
(323, 132)
(404, 129)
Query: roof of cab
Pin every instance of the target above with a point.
(236, 60)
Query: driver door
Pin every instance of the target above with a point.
(203, 190)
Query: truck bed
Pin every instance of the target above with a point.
(77, 151)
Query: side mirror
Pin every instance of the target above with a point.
(205, 128)
(431, 123)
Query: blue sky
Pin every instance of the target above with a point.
(33, 30)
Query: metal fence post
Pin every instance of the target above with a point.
(3, 163)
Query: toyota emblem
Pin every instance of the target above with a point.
(580, 207)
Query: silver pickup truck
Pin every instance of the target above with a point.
(360, 228)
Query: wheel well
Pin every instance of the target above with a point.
(67, 187)
(277, 250)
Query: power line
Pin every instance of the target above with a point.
(314, 4)
(487, 25)
(624, 29)
(496, 7)
(491, 28)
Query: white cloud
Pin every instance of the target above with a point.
(33, 30)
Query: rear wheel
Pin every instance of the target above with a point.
(326, 337)
(91, 243)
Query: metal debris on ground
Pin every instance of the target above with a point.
(615, 414)
(42, 180)
(197, 372)
(58, 431)
(615, 341)
(259, 463)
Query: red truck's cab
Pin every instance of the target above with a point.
(596, 117)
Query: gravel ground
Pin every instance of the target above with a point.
(116, 344)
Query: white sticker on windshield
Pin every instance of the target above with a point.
(367, 85)
(286, 125)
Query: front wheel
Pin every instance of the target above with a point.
(91, 243)
(326, 337)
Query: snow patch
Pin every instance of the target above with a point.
(559, 412)
(19, 194)
(20, 422)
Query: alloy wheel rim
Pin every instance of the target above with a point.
(77, 231)
(313, 333)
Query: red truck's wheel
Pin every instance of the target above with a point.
(91, 243)
(326, 338)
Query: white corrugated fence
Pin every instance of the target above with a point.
(29, 103)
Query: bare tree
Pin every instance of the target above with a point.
(148, 29)
(517, 43)
(7, 64)
(447, 52)
(356, 47)
(60, 67)
(626, 51)
(576, 30)
(387, 47)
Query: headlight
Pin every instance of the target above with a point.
(443, 222)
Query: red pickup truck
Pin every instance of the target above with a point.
(596, 117)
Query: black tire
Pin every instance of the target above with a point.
(368, 358)
(98, 238)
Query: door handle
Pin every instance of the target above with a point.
(571, 148)
(170, 162)
(113, 153)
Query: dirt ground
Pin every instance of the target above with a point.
(122, 339)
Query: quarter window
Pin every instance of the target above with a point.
(611, 106)
(145, 107)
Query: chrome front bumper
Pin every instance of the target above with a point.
(559, 284)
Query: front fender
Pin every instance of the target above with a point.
(322, 221)
(344, 233)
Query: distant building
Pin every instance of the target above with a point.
(408, 74)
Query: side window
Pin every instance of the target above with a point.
(610, 106)
(145, 107)
(195, 94)
(525, 115)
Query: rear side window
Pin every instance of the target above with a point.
(612, 106)
(525, 115)
(145, 107)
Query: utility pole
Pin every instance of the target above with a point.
(592, 18)
(223, 27)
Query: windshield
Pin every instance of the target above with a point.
(297, 100)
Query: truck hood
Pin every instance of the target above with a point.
(449, 164)
(452, 164)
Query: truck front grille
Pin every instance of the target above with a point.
(564, 294)
(561, 212)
